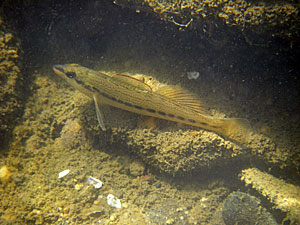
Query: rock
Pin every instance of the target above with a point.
(242, 208)
(284, 196)
(136, 168)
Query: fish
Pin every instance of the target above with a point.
(166, 102)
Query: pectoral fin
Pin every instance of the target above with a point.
(100, 117)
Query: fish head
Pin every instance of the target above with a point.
(77, 76)
(67, 71)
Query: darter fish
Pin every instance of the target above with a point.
(132, 94)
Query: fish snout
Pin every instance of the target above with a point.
(58, 69)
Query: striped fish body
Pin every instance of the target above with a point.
(168, 102)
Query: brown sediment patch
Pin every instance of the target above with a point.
(10, 83)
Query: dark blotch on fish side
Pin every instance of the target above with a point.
(105, 95)
(79, 82)
(138, 107)
(151, 110)
(88, 87)
(95, 89)
(128, 104)
(161, 113)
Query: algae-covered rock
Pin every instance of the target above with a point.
(10, 82)
(280, 19)
(285, 196)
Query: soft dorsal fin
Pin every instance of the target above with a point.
(183, 97)
(131, 80)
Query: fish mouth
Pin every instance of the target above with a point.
(58, 69)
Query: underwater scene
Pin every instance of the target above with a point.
(150, 112)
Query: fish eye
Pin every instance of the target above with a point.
(71, 74)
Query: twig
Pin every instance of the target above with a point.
(181, 25)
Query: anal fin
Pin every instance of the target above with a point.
(100, 117)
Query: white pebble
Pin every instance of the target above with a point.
(95, 182)
(113, 201)
(63, 173)
(193, 75)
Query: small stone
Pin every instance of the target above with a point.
(158, 185)
(36, 211)
(193, 75)
(125, 205)
(63, 173)
(136, 169)
(78, 186)
(4, 174)
(170, 221)
(66, 210)
(112, 217)
(113, 201)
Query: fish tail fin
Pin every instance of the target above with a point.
(237, 129)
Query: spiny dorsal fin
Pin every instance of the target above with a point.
(131, 80)
(183, 97)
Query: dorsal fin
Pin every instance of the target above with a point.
(183, 97)
(132, 81)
